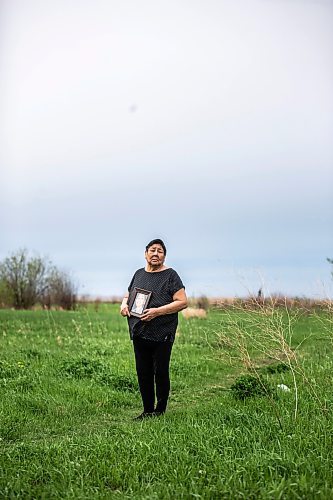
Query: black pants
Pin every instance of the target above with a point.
(152, 367)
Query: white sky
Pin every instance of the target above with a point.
(207, 123)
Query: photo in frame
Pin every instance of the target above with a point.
(139, 302)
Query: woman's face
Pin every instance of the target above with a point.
(140, 300)
(155, 255)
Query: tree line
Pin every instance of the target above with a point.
(27, 280)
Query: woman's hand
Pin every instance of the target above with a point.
(149, 314)
(124, 311)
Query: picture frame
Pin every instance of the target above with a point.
(139, 301)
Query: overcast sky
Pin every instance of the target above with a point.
(206, 123)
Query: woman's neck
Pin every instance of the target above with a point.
(154, 269)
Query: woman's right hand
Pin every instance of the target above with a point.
(124, 311)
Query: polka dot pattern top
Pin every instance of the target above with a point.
(163, 285)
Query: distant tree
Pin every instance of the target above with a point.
(61, 290)
(24, 278)
(6, 297)
(203, 302)
(27, 280)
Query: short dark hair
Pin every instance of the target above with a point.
(157, 241)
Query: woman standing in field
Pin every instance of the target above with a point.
(153, 333)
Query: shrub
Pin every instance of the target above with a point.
(61, 290)
(27, 280)
(277, 368)
(247, 386)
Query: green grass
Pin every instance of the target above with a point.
(68, 394)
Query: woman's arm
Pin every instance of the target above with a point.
(179, 302)
(124, 306)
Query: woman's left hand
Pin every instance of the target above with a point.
(149, 314)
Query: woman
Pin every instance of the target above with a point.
(154, 332)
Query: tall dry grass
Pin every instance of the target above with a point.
(257, 332)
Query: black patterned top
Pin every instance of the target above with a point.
(163, 285)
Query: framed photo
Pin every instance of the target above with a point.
(139, 302)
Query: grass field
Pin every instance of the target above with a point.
(69, 392)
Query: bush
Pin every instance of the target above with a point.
(247, 386)
(6, 295)
(28, 280)
(60, 290)
(277, 368)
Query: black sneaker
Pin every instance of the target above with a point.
(144, 415)
(157, 413)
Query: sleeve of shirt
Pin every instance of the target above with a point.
(130, 286)
(175, 283)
